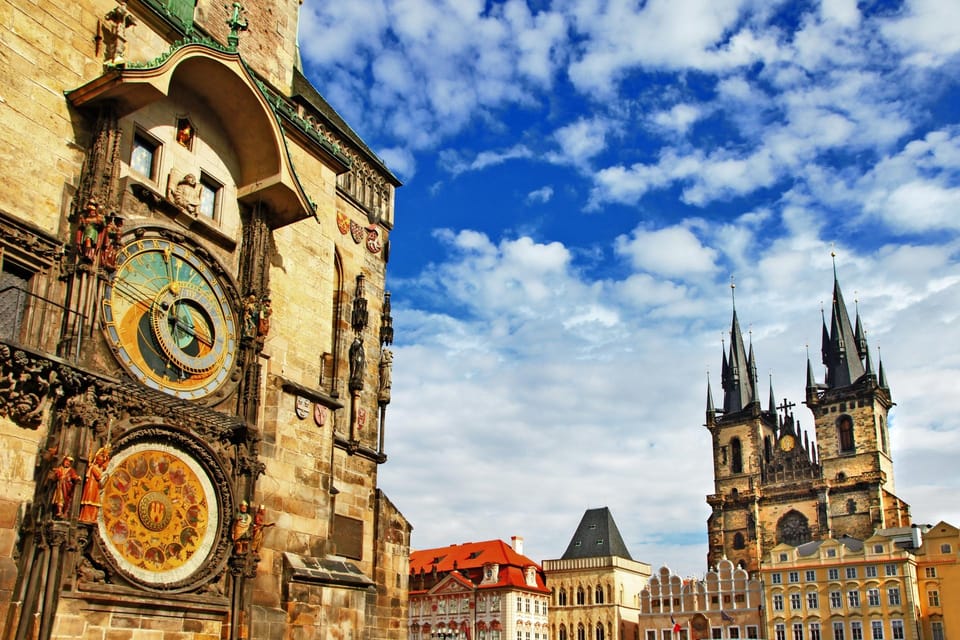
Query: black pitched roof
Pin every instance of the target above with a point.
(596, 536)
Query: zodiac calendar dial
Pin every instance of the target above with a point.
(168, 319)
(159, 515)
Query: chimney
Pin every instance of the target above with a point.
(517, 543)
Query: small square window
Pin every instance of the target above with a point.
(946, 548)
(831, 553)
(144, 155)
(793, 576)
(783, 557)
(878, 548)
(811, 575)
(776, 578)
(851, 572)
(930, 572)
(210, 192)
(833, 574)
(871, 571)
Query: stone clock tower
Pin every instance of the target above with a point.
(773, 484)
(195, 332)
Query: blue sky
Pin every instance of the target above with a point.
(582, 179)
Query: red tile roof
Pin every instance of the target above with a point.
(469, 559)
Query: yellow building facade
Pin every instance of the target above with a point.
(841, 589)
(194, 333)
(938, 573)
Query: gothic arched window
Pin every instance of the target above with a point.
(738, 542)
(580, 597)
(599, 634)
(845, 433)
(793, 529)
(562, 598)
(736, 455)
(598, 595)
(562, 635)
(581, 632)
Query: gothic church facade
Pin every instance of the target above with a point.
(774, 484)
(194, 332)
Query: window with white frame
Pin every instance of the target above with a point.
(778, 602)
(933, 598)
(930, 572)
(946, 548)
(753, 632)
(780, 631)
(893, 595)
(896, 629)
(838, 631)
(797, 631)
(814, 631)
(813, 600)
(856, 630)
(733, 633)
(876, 629)
(890, 569)
(853, 599)
(871, 571)
(776, 578)
(851, 573)
(796, 602)
(873, 597)
(836, 600)
(936, 628)
(811, 575)
(833, 574)
(793, 576)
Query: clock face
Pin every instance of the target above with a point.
(787, 442)
(159, 516)
(167, 317)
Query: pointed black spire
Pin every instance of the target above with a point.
(869, 363)
(711, 410)
(596, 536)
(883, 377)
(812, 397)
(772, 402)
(737, 379)
(841, 354)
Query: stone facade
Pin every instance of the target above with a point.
(773, 483)
(194, 333)
(596, 585)
(726, 603)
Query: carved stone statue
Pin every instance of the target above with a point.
(90, 496)
(65, 478)
(386, 376)
(259, 524)
(119, 18)
(357, 360)
(263, 324)
(89, 224)
(186, 194)
(110, 242)
(241, 529)
(251, 316)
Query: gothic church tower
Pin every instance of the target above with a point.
(772, 484)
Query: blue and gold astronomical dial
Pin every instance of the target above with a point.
(168, 318)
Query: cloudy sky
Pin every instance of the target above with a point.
(582, 179)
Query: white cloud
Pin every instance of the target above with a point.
(678, 118)
(541, 195)
(581, 140)
(456, 163)
(670, 252)
(928, 31)
(400, 161)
